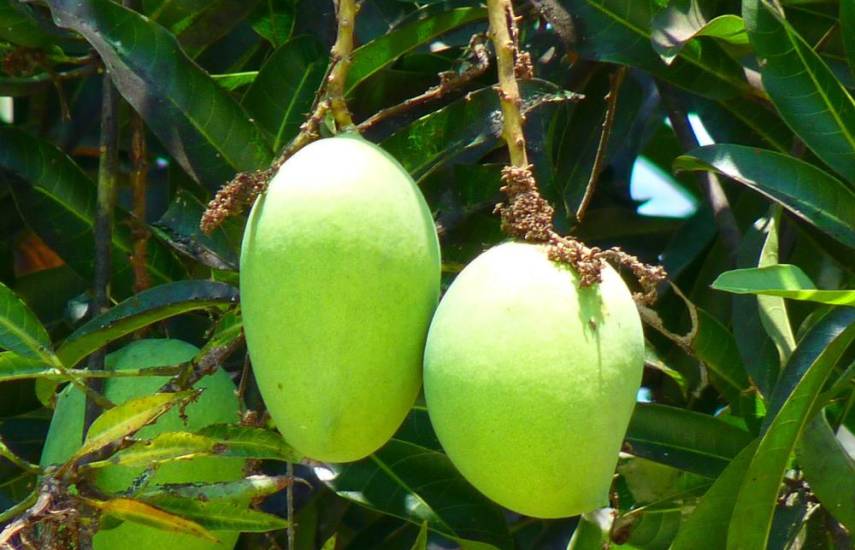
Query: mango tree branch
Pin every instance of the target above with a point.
(527, 215)
(240, 193)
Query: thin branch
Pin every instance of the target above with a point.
(341, 51)
(8, 454)
(615, 81)
(449, 81)
(708, 181)
(202, 366)
(139, 177)
(289, 505)
(107, 173)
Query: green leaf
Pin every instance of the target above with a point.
(425, 27)
(619, 31)
(179, 227)
(218, 515)
(251, 442)
(421, 539)
(808, 192)
(128, 418)
(282, 94)
(589, 534)
(19, 26)
(706, 527)
(129, 509)
(234, 81)
(847, 32)
(829, 469)
(58, 202)
(241, 490)
(202, 27)
(684, 439)
(147, 307)
(15, 367)
(773, 310)
(789, 410)
(805, 91)
(465, 125)
(410, 480)
(684, 20)
(204, 129)
(786, 281)
(20, 329)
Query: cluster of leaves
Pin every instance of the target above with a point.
(749, 367)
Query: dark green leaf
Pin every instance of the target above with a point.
(829, 469)
(241, 490)
(58, 202)
(206, 131)
(789, 410)
(205, 26)
(408, 480)
(466, 124)
(618, 31)
(805, 91)
(429, 25)
(684, 439)
(19, 26)
(706, 528)
(281, 95)
(145, 308)
(808, 192)
(684, 20)
(847, 31)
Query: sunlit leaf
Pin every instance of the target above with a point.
(20, 329)
(786, 281)
(129, 509)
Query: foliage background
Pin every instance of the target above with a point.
(737, 445)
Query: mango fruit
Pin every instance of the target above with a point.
(217, 404)
(339, 276)
(530, 380)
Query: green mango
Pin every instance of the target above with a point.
(339, 275)
(217, 404)
(530, 380)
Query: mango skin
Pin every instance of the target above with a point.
(340, 271)
(217, 404)
(530, 381)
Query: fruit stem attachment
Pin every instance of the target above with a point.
(240, 193)
(527, 215)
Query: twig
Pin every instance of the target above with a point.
(448, 82)
(708, 181)
(7, 453)
(240, 193)
(289, 505)
(615, 81)
(202, 366)
(107, 169)
(140, 232)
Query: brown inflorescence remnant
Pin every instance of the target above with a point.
(528, 216)
(234, 197)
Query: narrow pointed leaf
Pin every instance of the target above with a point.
(145, 308)
(218, 515)
(706, 528)
(282, 94)
(20, 329)
(684, 439)
(829, 469)
(129, 509)
(812, 101)
(57, 200)
(425, 27)
(204, 129)
(847, 32)
(684, 20)
(251, 442)
(808, 192)
(772, 309)
(241, 490)
(128, 418)
(790, 405)
(786, 281)
(410, 480)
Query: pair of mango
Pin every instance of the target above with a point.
(529, 379)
